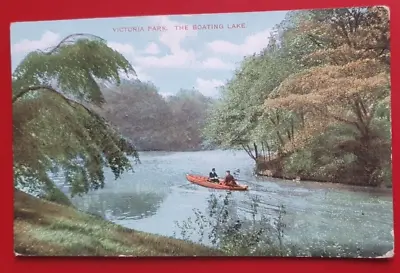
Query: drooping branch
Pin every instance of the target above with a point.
(64, 41)
(70, 102)
(59, 129)
(26, 90)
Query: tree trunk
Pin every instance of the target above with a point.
(248, 151)
(255, 150)
(269, 151)
(263, 150)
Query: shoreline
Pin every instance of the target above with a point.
(275, 168)
(258, 173)
(327, 184)
(44, 228)
(185, 150)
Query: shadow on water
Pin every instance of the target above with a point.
(121, 205)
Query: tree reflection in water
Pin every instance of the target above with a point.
(121, 205)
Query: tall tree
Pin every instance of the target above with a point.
(348, 80)
(54, 126)
(241, 115)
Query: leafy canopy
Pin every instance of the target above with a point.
(323, 78)
(55, 128)
(349, 74)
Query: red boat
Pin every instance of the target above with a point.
(203, 181)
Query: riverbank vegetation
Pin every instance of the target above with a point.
(315, 103)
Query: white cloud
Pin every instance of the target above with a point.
(252, 44)
(172, 38)
(152, 49)
(180, 59)
(215, 63)
(208, 87)
(47, 40)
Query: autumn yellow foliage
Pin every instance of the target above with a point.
(350, 72)
(317, 98)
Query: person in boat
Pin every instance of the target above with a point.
(213, 176)
(230, 180)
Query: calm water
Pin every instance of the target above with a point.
(157, 194)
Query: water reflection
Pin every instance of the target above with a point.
(121, 205)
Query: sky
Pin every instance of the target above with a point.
(169, 57)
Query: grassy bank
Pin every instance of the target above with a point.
(45, 228)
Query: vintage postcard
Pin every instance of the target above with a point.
(243, 134)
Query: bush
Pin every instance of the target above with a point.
(337, 155)
(236, 236)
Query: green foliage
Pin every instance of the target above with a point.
(57, 130)
(153, 122)
(241, 114)
(299, 163)
(276, 102)
(326, 157)
(75, 65)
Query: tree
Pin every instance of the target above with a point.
(153, 122)
(323, 79)
(55, 128)
(140, 112)
(189, 109)
(348, 79)
(241, 115)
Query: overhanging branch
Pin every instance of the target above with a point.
(70, 102)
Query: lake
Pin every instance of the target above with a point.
(157, 195)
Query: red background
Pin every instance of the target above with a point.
(28, 10)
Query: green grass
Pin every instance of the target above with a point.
(43, 228)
